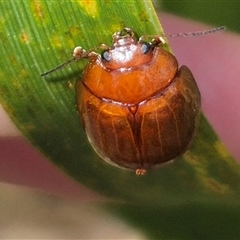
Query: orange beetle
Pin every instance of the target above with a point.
(138, 108)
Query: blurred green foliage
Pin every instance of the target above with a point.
(216, 13)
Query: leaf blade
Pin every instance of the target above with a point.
(37, 38)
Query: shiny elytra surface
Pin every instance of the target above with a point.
(139, 115)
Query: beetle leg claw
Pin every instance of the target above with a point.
(140, 171)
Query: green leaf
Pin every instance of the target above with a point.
(39, 35)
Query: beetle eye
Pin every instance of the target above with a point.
(146, 47)
(106, 56)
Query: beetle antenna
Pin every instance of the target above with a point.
(78, 53)
(58, 67)
(199, 33)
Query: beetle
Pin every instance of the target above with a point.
(139, 109)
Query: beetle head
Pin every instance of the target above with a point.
(126, 52)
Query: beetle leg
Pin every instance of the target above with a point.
(154, 40)
(125, 32)
(140, 171)
(101, 47)
(79, 52)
